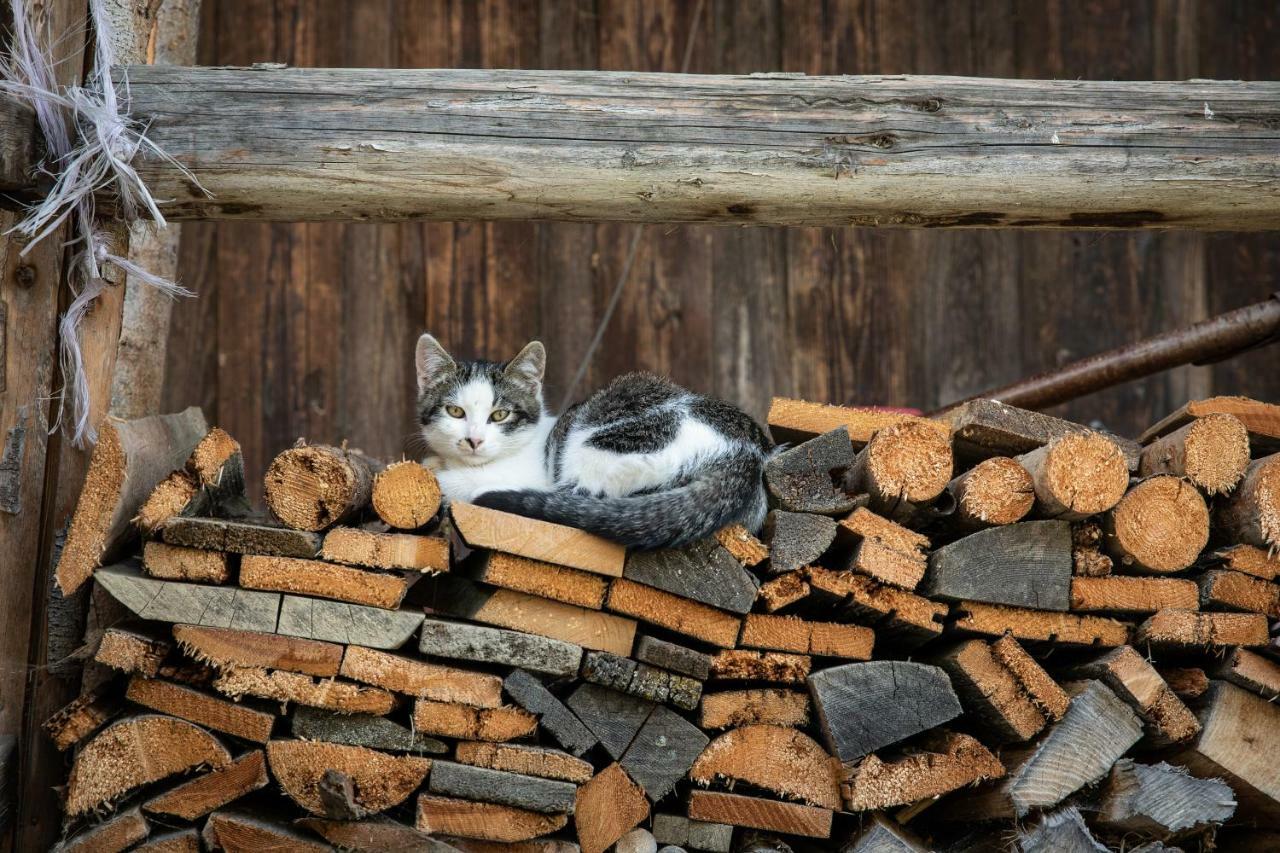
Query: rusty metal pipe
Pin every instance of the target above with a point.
(1208, 341)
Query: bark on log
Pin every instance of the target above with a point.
(1262, 420)
(1252, 514)
(903, 467)
(1077, 475)
(993, 492)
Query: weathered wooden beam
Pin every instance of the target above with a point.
(17, 142)
(284, 143)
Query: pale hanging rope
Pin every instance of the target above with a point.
(625, 275)
(90, 143)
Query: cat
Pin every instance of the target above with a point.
(642, 461)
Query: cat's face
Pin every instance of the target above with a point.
(473, 412)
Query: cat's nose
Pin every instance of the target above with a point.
(475, 443)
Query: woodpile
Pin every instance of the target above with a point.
(994, 630)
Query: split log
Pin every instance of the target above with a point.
(1211, 452)
(1077, 751)
(676, 658)
(995, 491)
(201, 709)
(130, 458)
(951, 762)
(1076, 476)
(481, 527)
(681, 615)
(1227, 590)
(81, 717)
(1161, 800)
(662, 752)
(374, 835)
(1250, 560)
(239, 832)
(679, 831)
(865, 706)
(778, 759)
(1253, 672)
(903, 467)
(702, 572)
(481, 784)
(421, 679)
(529, 693)
(751, 665)
(171, 601)
(1131, 677)
(132, 652)
(607, 807)
(341, 622)
(535, 577)
(217, 462)
(771, 815)
(996, 620)
(176, 495)
(225, 648)
(312, 487)
(1252, 514)
(450, 719)
(796, 539)
(324, 580)
(381, 780)
(367, 730)
(1189, 682)
(1061, 831)
(111, 836)
(527, 760)
(808, 477)
(907, 618)
(240, 537)
(461, 641)
(181, 841)
(783, 591)
(1129, 595)
(518, 611)
(1160, 526)
(882, 550)
(745, 548)
(1013, 707)
(280, 686)
(884, 836)
(447, 816)
(1024, 565)
(405, 495)
(386, 550)
(1233, 724)
(641, 679)
(176, 563)
(614, 718)
(794, 421)
(1262, 420)
(210, 791)
(822, 639)
(985, 428)
(1190, 629)
(758, 706)
(123, 757)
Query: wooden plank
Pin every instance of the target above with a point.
(111, 836)
(994, 694)
(1136, 681)
(374, 835)
(1024, 565)
(607, 807)
(771, 815)
(81, 717)
(1253, 672)
(381, 781)
(907, 618)
(1250, 560)
(340, 622)
(386, 550)
(613, 717)
(368, 730)
(545, 580)
(1161, 800)
(662, 752)
(778, 759)
(281, 686)
(883, 550)
(751, 665)
(1040, 625)
(679, 831)
(447, 816)
(222, 647)
(241, 537)
(451, 719)
(674, 657)
(1226, 590)
(528, 760)
(242, 832)
(641, 679)
(674, 613)
(171, 601)
(792, 634)
(796, 539)
(1128, 595)
(212, 790)
(754, 706)
(793, 421)
(175, 563)
(461, 641)
(529, 693)
(949, 762)
(516, 610)
(421, 679)
(702, 572)
(132, 652)
(324, 580)
(539, 540)
(1191, 629)
(483, 784)
(201, 708)
(865, 706)
(1262, 420)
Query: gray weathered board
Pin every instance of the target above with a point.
(498, 786)
(680, 831)
(883, 836)
(189, 603)
(368, 730)
(805, 478)
(641, 679)
(1061, 831)
(614, 718)
(241, 536)
(703, 571)
(662, 752)
(672, 656)
(340, 622)
(461, 641)
(797, 539)
(1161, 800)
(1024, 565)
(532, 695)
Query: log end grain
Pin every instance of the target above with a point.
(1078, 475)
(778, 759)
(380, 780)
(1160, 526)
(313, 487)
(1212, 452)
(995, 491)
(169, 498)
(406, 495)
(907, 462)
(607, 807)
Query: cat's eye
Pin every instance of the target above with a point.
(499, 415)
(455, 411)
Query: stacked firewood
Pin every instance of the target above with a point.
(994, 630)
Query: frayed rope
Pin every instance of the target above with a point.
(91, 144)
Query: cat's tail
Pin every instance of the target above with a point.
(726, 491)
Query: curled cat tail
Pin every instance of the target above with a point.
(722, 492)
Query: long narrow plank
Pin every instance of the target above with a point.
(240, 537)
(280, 686)
(223, 647)
(681, 615)
(386, 550)
(821, 639)
(905, 617)
(340, 622)
(201, 708)
(171, 601)
(539, 540)
(1125, 594)
(369, 730)
(528, 760)
(1191, 629)
(703, 572)
(450, 719)
(198, 797)
(540, 578)
(770, 815)
(421, 679)
(461, 641)
(324, 580)
(1040, 625)
(489, 821)
(483, 784)
(794, 421)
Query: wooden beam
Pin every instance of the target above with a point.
(284, 143)
(17, 142)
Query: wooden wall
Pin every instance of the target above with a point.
(308, 329)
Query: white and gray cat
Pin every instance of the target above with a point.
(642, 461)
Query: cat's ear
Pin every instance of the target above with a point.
(528, 367)
(432, 362)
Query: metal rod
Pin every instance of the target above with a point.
(1208, 341)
